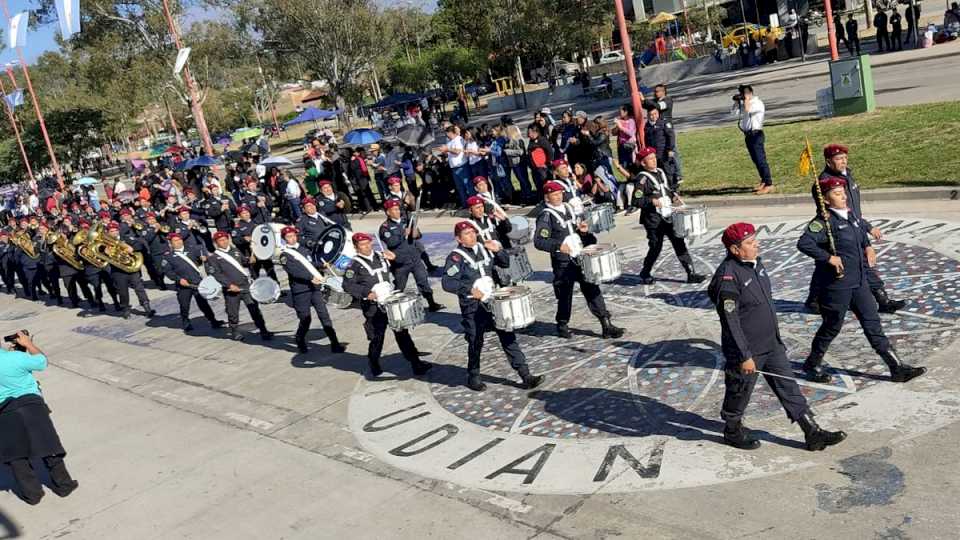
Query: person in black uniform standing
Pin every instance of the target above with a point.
(311, 223)
(397, 237)
(843, 254)
(883, 36)
(183, 268)
(853, 35)
(242, 234)
(467, 263)
(306, 286)
(836, 156)
(48, 268)
(123, 279)
(226, 267)
(657, 197)
(220, 208)
(751, 343)
(332, 205)
(367, 270)
(555, 224)
(408, 204)
(73, 278)
(98, 278)
(28, 271)
(8, 252)
(896, 30)
(658, 134)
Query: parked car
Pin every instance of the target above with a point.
(739, 34)
(611, 56)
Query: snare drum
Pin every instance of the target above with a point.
(265, 290)
(601, 263)
(512, 308)
(600, 218)
(690, 221)
(518, 271)
(404, 311)
(337, 299)
(209, 288)
(520, 231)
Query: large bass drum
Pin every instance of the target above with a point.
(334, 250)
(209, 288)
(265, 290)
(265, 241)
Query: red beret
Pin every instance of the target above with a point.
(834, 149)
(550, 187)
(104, 214)
(391, 203)
(243, 209)
(393, 180)
(309, 200)
(187, 191)
(84, 224)
(173, 235)
(479, 178)
(251, 180)
(126, 212)
(183, 209)
(288, 230)
(644, 152)
(221, 234)
(474, 199)
(324, 183)
(830, 182)
(557, 162)
(736, 233)
(4, 234)
(361, 237)
(152, 214)
(113, 226)
(459, 227)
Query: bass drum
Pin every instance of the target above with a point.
(334, 250)
(265, 241)
(265, 290)
(209, 288)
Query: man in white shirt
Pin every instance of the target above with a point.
(751, 111)
(457, 159)
(292, 193)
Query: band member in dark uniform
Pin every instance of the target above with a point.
(465, 265)
(98, 278)
(555, 224)
(656, 197)
(836, 158)
(28, 270)
(311, 223)
(156, 247)
(123, 279)
(332, 205)
(8, 253)
(408, 205)
(397, 237)
(183, 268)
(72, 277)
(306, 286)
(242, 234)
(843, 255)
(367, 270)
(751, 343)
(48, 268)
(226, 266)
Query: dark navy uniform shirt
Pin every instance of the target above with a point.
(465, 266)
(175, 266)
(850, 238)
(301, 276)
(551, 231)
(744, 299)
(853, 193)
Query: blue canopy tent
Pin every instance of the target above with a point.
(312, 114)
(395, 99)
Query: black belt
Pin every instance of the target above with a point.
(752, 131)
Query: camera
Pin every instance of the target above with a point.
(738, 97)
(12, 338)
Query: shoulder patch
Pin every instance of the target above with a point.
(386, 234)
(728, 278)
(544, 233)
(283, 259)
(453, 270)
(349, 274)
(815, 226)
(455, 258)
(729, 305)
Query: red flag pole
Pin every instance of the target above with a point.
(831, 31)
(195, 107)
(631, 75)
(16, 131)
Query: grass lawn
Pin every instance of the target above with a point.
(917, 145)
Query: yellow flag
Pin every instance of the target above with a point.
(806, 160)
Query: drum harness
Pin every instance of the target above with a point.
(183, 255)
(378, 273)
(564, 222)
(292, 251)
(666, 206)
(225, 255)
(478, 266)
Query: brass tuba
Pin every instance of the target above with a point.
(113, 251)
(22, 240)
(64, 249)
(82, 243)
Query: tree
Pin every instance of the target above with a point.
(73, 132)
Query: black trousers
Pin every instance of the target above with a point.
(375, 325)
(72, 282)
(415, 266)
(123, 281)
(26, 476)
(897, 40)
(232, 301)
(883, 38)
(758, 154)
(97, 281)
(152, 263)
(853, 43)
(655, 246)
(833, 308)
(874, 282)
(267, 266)
(475, 326)
(739, 387)
(565, 276)
(7, 275)
(51, 281)
(184, 295)
(28, 280)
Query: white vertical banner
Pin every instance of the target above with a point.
(18, 29)
(182, 56)
(68, 15)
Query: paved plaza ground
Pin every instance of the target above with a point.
(200, 437)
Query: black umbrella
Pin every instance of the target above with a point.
(414, 135)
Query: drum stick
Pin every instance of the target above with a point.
(805, 382)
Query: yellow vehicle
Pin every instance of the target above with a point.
(739, 34)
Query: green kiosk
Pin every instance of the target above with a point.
(852, 84)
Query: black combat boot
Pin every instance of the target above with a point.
(186, 325)
(900, 372)
(738, 436)
(420, 367)
(609, 330)
(375, 369)
(432, 305)
(474, 383)
(530, 381)
(125, 313)
(302, 329)
(563, 331)
(335, 346)
(150, 312)
(265, 334)
(887, 305)
(816, 437)
(101, 307)
(815, 370)
(63, 483)
(646, 279)
(234, 333)
(692, 275)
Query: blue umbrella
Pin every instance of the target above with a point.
(202, 161)
(183, 165)
(362, 136)
(86, 181)
(312, 114)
